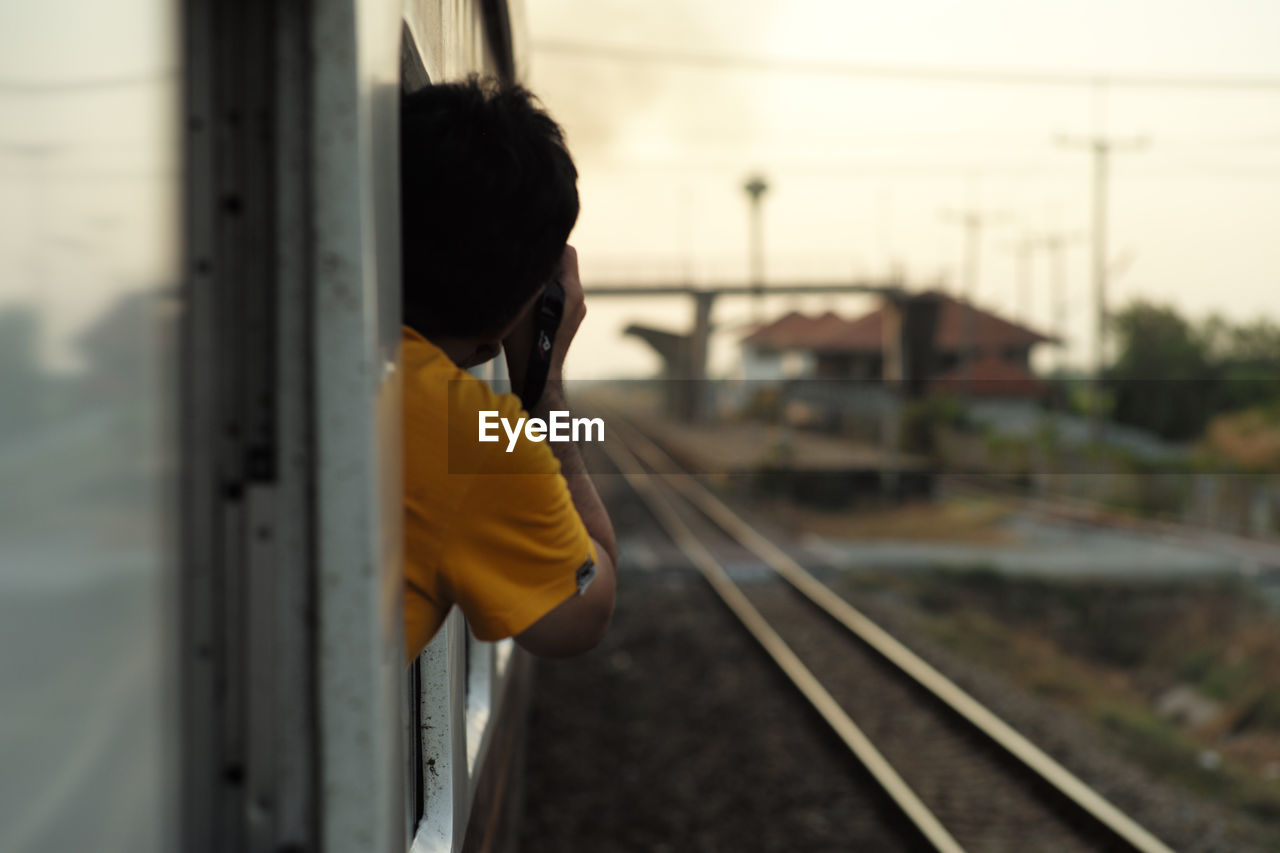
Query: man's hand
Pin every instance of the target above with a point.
(575, 310)
(518, 345)
(577, 624)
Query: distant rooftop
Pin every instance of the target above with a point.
(830, 333)
(989, 376)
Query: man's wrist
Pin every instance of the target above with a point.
(552, 396)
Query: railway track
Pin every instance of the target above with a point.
(963, 778)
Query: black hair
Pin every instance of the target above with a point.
(488, 197)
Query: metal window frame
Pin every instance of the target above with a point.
(247, 691)
(355, 228)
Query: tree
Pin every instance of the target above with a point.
(1247, 358)
(1171, 377)
(1162, 379)
(21, 379)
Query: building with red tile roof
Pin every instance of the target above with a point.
(964, 342)
(989, 376)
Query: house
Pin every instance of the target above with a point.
(955, 345)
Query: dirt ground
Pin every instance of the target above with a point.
(677, 734)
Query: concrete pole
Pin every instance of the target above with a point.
(1058, 295)
(699, 351)
(1100, 258)
(1101, 148)
(1022, 299)
(756, 187)
(972, 222)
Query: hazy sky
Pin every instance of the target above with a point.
(88, 176)
(861, 168)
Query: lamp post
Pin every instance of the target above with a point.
(756, 187)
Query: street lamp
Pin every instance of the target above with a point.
(756, 187)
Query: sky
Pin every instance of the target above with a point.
(863, 170)
(88, 176)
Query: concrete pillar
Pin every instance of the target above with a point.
(699, 352)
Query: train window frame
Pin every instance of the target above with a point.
(438, 685)
(458, 687)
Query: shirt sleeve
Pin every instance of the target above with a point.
(520, 547)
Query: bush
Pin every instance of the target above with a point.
(922, 419)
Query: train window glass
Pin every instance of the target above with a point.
(502, 657)
(479, 696)
(413, 72)
(89, 265)
(442, 737)
(415, 801)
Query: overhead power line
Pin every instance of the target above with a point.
(816, 168)
(889, 71)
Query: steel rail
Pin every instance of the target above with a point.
(1059, 777)
(845, 728)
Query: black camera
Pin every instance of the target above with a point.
(546, 322)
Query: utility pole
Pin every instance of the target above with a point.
(973, 221)
(756, 187)
(1055, 244)
(1022, 251)
(1101, 148)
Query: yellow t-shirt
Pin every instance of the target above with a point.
(494, 532)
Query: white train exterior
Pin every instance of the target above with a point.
(200, 431)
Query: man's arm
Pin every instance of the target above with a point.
(578, 624)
